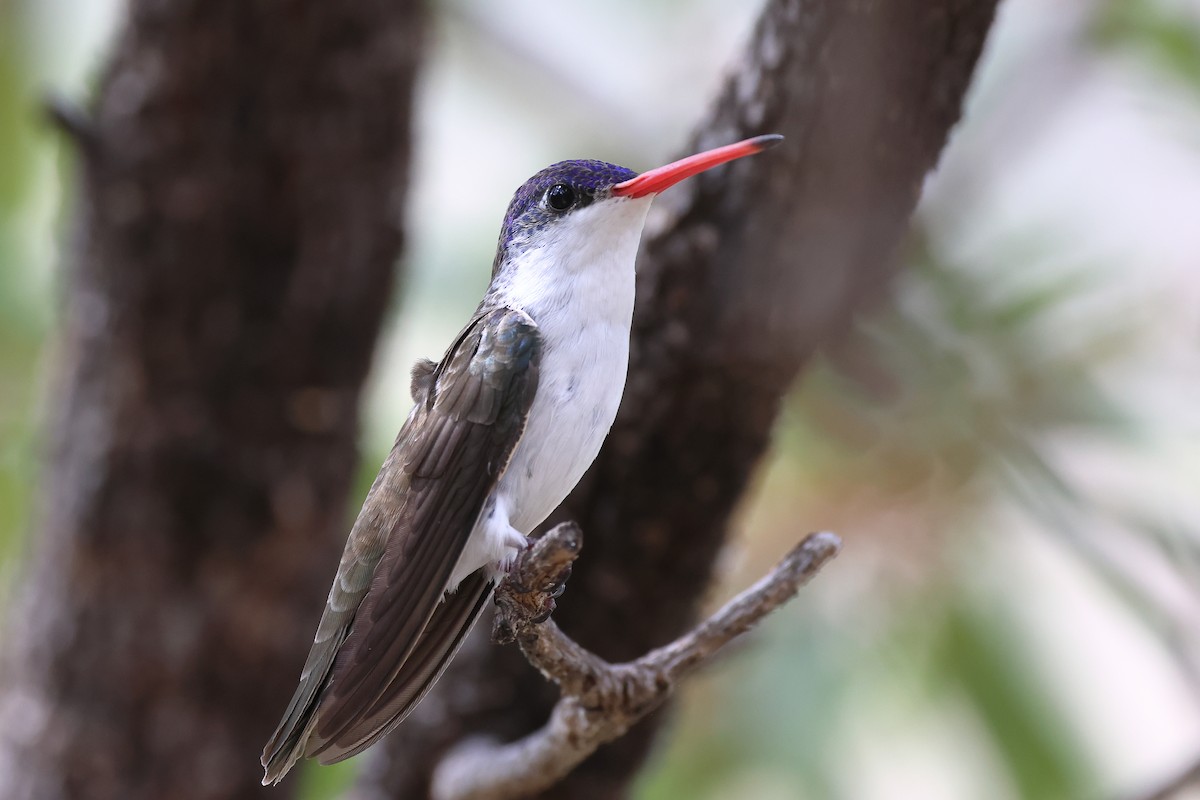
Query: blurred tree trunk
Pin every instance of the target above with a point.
(241, 192)
(755, 267)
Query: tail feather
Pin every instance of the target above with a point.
(282, 754)
(286, 744)
(299, 734)
(441, 639)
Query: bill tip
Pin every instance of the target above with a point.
(767, 140)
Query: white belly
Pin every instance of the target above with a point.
(582, 304)
(579, 390)
(578, 393)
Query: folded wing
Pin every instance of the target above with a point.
(383, 638)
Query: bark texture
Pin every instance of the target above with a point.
(241, 186)
(749, 270)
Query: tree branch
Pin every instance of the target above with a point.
(600, 701)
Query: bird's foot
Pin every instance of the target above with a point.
(514, 542)
(538, 577)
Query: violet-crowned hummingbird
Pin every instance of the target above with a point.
(502, 429)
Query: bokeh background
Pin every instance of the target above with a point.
(1010, 445)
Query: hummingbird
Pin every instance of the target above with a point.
(501, 430)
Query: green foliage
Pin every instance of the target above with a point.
(26, 158)
(319, 783)
(1164, 35)
(981, 655)
(967, 366)
(764, 711)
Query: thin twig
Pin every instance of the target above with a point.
(600, 701)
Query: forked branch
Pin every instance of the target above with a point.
(600, 701)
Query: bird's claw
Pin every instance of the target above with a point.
(537, 576)
(547, 609)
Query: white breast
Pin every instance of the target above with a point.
(579, 290)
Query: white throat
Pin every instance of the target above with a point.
(584, 261)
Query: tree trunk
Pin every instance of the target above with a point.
(755, 267)
(241, 194)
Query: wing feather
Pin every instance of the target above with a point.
(447, 628)
(405, 543)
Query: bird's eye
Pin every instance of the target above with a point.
(560, 197)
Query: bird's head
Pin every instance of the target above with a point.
(595, 205)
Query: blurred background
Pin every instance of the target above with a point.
(1010, 447)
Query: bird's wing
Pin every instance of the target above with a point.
(448, 626)
(412, 528)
